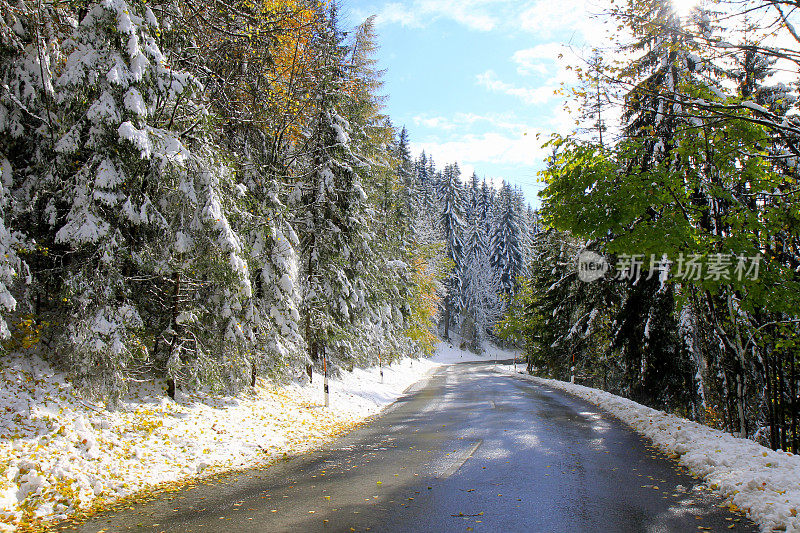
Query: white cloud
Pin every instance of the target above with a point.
(470, 121)
(546, 15)
(562, 121)
(437, 123)
(466, 170)
(580, 23)
(536, 95)
(494, 148)
(470, 13)
(541, 59)
(466, 12)
(542, 17)
(395, 13)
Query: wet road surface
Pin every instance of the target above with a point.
(468, 449)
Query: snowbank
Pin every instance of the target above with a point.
(449, 353)
(60, 453)
(762, 482)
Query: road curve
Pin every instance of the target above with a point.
(468, 449)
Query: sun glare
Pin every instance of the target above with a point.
(684, 7)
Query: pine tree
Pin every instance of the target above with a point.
(24, 106)
(116, 197)
(258, 67)
(330, 222)
(385, 258)
(425, 203)
(524, 230)
(506, 256)
(485, 208)
(472, 194)
(481, 299)
(405, 174)
(451, 221)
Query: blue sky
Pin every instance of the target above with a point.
(473, 80)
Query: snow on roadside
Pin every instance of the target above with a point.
(449, 353)
(61, 453)
(762, 482)
(361, 393)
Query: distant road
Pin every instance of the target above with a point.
(469, 449)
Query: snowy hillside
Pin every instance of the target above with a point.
(448, 353)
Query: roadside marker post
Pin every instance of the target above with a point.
(325, 381)
(572, 369)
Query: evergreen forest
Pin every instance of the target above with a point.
(204, 193)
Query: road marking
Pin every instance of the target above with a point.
(453, 468)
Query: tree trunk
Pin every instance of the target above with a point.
(793, 392)
(310, 334)
(782, 403)
(176, 279)
(740, 410)
(446, 320)
(739, 350)
(313, 355)
(773, 427)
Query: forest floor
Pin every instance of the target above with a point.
(63, 455)
(763, 483)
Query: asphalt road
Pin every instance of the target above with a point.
(469, 449)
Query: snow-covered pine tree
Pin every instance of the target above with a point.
(429, 261)
(405, 174)
(425, 203)
(468, 221)
(386, 175)
(119, 197)
(434, 179)
(754, 70)
(668, 146)
(524, 242)
(471, 200)
(451, 196)
(154, 272)
(656, 110)
(569, 319)
(531, 226)
(544, 311)
(506, 244)
(257, 67)
(28, 46)
(272, 320)
(481, 299)
(421, 183)
(484, 210)
(330, 221)
(11, 266)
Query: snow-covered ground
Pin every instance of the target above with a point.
(762, 482)
(60, 452)
(449, 353)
